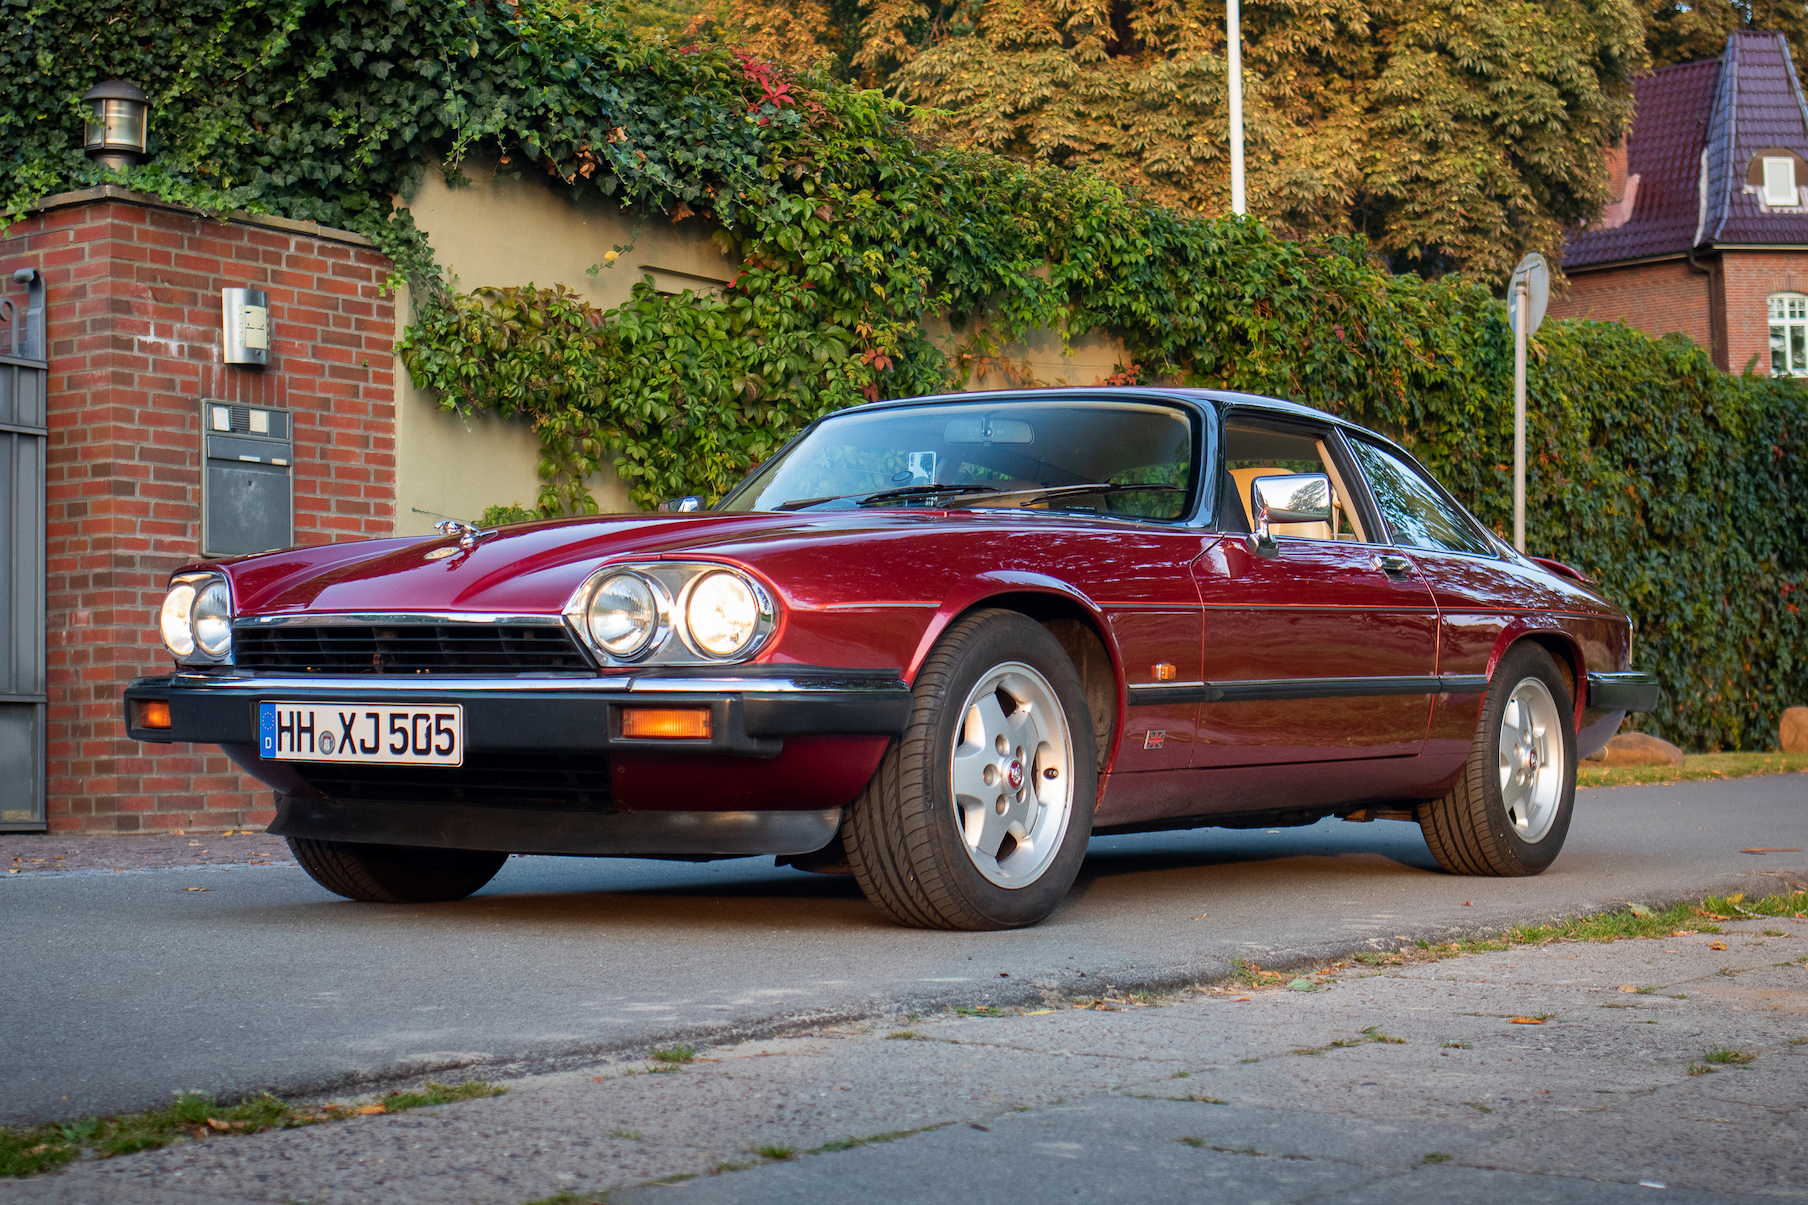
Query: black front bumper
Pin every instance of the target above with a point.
(751, 712)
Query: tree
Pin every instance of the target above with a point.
(1452, 134)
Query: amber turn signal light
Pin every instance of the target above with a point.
(152, 713)
(666, 723)
(1162, 671)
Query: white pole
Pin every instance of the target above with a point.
(1233, 38)
(1522, 301)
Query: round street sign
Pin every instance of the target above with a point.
(1536, 273)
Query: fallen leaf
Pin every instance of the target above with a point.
(217, 1124)
(1303, 984)
(370, 1110)
(1629, 987)
(1038, 1012)
(1468, 903)
(1737, 898)
(1717, 945)
(1242, 1000)
(1680, 933)
(1640, 910)
(1526, 1021)
(197, 889)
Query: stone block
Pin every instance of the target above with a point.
(1642, 749)
(1792, 731)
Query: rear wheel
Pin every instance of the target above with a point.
(395, 874)
(979, 815)
(1510, 810)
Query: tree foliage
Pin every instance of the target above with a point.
(1453, 134)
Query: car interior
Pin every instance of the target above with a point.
(1253, 450)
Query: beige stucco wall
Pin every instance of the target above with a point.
(499, 231)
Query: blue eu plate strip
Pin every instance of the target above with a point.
(266, 729)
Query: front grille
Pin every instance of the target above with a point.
(538, 780)
(416, 648)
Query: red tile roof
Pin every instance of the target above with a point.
(1730, 108)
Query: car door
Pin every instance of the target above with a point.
(1477, 590)
(1325, 651)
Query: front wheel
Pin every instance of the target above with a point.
(1510, 810)
(979, 815)
(395, 874)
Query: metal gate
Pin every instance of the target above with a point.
(24, 371)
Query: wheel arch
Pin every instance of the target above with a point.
(1564, 650)
(1082, 633)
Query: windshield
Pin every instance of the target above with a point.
(1011, 454)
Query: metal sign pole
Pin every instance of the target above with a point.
(1522, 300)
(1233, 37)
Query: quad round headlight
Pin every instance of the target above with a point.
(177, 619)
(623, 614)
(196, 619)
(722, 615)
(212, 622)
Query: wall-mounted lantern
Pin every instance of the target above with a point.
(245, 317)
(118, 123)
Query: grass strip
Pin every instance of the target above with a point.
(1632, 921)
(1696, 767)
(196, 1116)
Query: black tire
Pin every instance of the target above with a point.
(1477, 829)
(395, 874)
(904, 835)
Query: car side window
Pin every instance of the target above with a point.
(1254, 449)
(1418, 514)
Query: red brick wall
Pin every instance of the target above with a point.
(1657, 298)
(1751, 277)
(133, 292)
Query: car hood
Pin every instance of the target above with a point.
(529, 569)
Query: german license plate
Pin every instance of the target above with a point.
(406, 734)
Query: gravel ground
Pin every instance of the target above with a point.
(1572, 1072)
(61, 853)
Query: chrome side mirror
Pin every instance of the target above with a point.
(684, 505)
(1286, 498)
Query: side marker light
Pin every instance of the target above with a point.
(152, 713)
(666, 723)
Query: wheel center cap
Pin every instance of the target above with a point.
(1014, 775)
(1531, 761)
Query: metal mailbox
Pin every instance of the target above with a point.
(247, 487)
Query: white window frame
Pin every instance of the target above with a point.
(1779, 182)
(1788, 334)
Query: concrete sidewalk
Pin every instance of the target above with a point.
(1395, 1084)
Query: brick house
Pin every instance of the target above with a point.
(1708, 234)
(133, 293)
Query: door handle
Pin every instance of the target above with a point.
(1393, 565)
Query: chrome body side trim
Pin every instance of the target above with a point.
(1269, 689)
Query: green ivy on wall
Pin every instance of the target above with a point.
(1678, 487)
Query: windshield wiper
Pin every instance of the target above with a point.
(904, 491)
(1100, 487)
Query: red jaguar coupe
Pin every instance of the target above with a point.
(936, 643)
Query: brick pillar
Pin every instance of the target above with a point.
(134, 324)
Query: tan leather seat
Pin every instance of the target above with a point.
(1297, 531)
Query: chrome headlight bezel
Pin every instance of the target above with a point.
(672, 643)
(760, 622)
(655, 633)
(177, 618)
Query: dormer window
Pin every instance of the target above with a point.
(1779, 182)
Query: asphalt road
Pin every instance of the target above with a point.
(119, 989)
